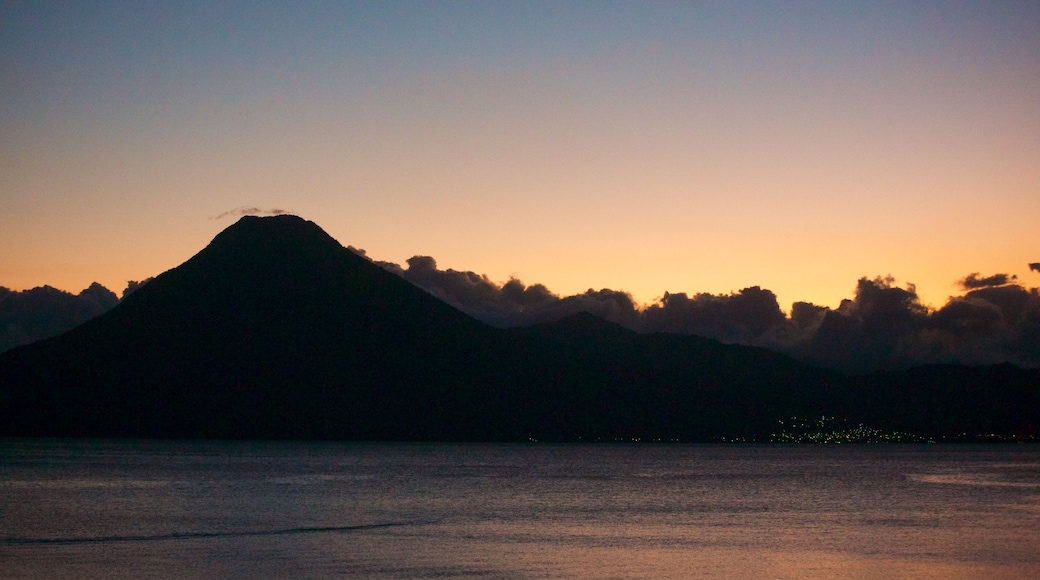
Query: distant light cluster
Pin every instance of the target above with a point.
(831, 430)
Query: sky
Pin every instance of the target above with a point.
(638, 146)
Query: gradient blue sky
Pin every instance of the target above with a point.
(647, 147)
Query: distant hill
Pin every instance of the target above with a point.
(275, 330)
(43, 312)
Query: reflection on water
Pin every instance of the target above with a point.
(214, 509)
(991, 479)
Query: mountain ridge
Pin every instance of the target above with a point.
(275, 330)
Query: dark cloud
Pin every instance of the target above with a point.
(133, 286)
(740, 317)
(247, 210)
(793, 334)
(973, 280)
(985, 326)
(612, 305)
(870, 331)
(1034, 266)
(807, 317)
(965, 317)
(467, 291)
(44, 312)
(1014, 301)
(887, 327)
(882, 326)
(512, 303)
(515, 291)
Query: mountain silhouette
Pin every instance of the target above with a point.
(275, 330)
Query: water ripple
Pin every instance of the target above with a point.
(203, 535)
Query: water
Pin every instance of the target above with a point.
(94, 509)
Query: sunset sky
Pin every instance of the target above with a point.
(646, 147)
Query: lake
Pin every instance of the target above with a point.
(161, 509)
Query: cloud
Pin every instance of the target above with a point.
(44, 312)
(968, 317)
(1034, 266)
(613, 305)
(133, 286)
(985, 326)
(245, 210)
(806, 316)
(972, 281)
(509, 304)
(737, 317)
(1013, 300)
(887, 327)
(870, 331)
(512, 303)
(882, 326)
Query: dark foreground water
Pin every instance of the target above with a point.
(74, 509)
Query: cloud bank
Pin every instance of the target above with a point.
(248, 210)
(883, 326)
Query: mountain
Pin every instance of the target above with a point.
(275, 330)
(44, 312)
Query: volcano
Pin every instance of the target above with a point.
(273, 330)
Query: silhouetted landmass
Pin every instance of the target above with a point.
(883, 327)
(43, 312)
(275, 330)
(951, 402)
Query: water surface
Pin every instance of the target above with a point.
(104, 509)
